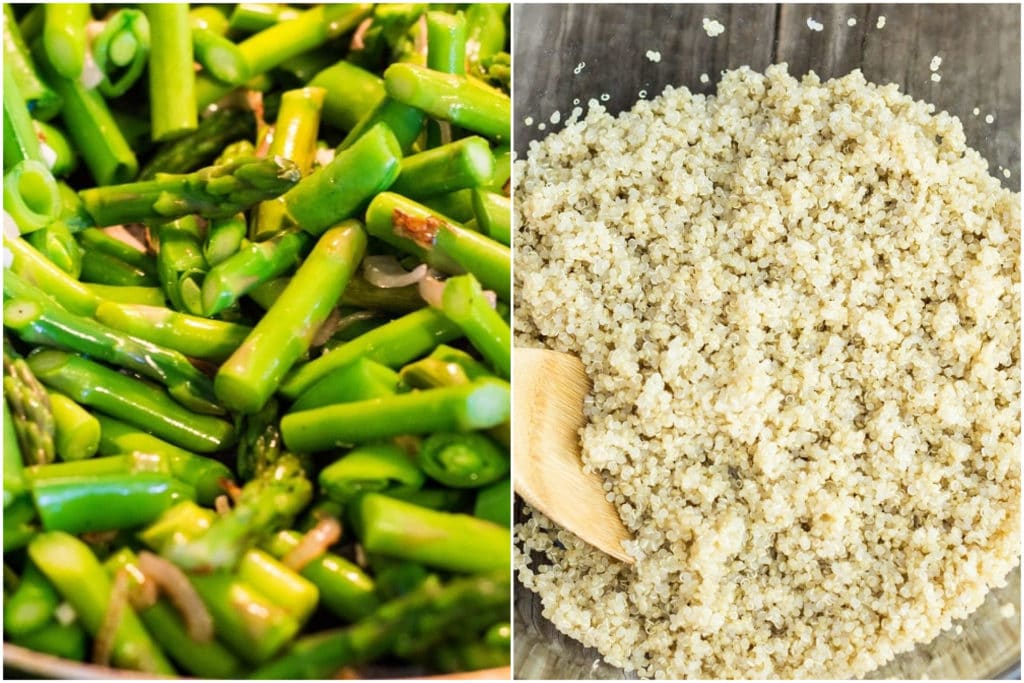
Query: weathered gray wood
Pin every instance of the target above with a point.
(979, 46)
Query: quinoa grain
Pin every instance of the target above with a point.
(798, 303)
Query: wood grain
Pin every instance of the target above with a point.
(979, 46)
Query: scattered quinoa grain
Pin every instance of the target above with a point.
(852, 21)
(936, 78)
(605, 97)
(654, 56)
(798, 302)
(1006, 173)
(935, 63)
(976, 111)
(579, 68)
(704, 78)
(555, 117)
(814, 25)
(713, 27)
(528, 121)
(989, 118)
(880, 24)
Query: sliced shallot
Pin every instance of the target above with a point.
(176, 586)
(386, 272)
(315, 543)
(103, 646)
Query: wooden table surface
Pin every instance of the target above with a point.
(980, 50)
(979, 46)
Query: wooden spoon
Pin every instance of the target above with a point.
(548, 389)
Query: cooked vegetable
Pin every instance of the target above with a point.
(219, 382)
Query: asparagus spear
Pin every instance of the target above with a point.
(255, 263)
(298, 122)
(20, 141)
(59, 155)
(35, 268)
(494, 215)
(295, 594)
(465, 163)
(272, 46)
(207, 660)
(265, 505)
(212, 192)
(220, 57)
(31, 605)
(421, 618)
(42, 101)
(81, 581)
(494, 503)
(172, 81)
(210, 138)
(96, 239)
(392, 344)
(224, 237)
(414, 228)
(92, 128)
(77, 431)
(247, 379)
(180, 263)
(112, 465)
(371, 468)
(121, 50)
(128, 294)
(39, 322)
(360, 380)
(462, 460)
(463, 303)
(254, 627)
(31, 197)
(102, 503)
(64, 36)
(457, 205)
(101, 268)
(404, 122)
(350, 93)
(30, 408)
(20, 525)
(56, 243)
(478, 405)
(345, 589)
(206, 475)
(336, 191)
(485, 29)
(66, 641)
(438, 539)
(193, 336)
(250, 17)
(446, 52)
(450, 97)
(14, 476)
(131, 400)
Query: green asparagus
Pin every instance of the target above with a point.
(213, 192)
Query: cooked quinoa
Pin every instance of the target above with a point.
(798, 303)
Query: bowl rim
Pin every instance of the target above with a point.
(41, 664)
